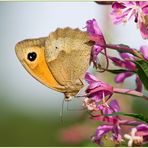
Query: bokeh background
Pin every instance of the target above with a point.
(29, 111)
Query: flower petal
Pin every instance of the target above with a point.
(119, 78)
(92, 27)
(144, 51)
(93, 86)
(100, 132)
(144, 6)
(124, 64)
(101, 91)
(126, 56)
(142, 127)
(143, 30)
(145, 10)
(120, 12)
(95, 51)
(95, 32)
(124, 11)
(96, 89)
(115, 106)
(117, 5)
(129, 65)
(90, 78)
(117, 61)
(116, 136)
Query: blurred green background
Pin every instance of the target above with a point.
(30, 112)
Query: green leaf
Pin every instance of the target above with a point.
(116, 71)
(138, 116)
(142, 71)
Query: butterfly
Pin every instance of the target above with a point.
(59, 60)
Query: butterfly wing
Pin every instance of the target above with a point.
(37, 67)
(67, 55)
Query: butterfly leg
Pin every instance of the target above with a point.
(69, 109)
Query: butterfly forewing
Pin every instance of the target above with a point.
(60, 60)
(67, 56)
(37, 68)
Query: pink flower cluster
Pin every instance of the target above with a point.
(125, 63)
(99, 93)
(96, 92)
(124, 11)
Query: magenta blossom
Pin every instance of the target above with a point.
(107, 109)
(97, 90)
(126, 64)
(103, 130)
(102, 111)
(124, 11)
(95, 32)
(138, 135)
(112, 123)
(96, 36)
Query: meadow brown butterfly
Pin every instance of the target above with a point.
(58, 61)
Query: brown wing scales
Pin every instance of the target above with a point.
(67, 55)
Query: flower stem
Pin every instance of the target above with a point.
(122, 48)
(130, 92)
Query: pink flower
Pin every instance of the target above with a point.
(111, 126)
(97, 89)
(102, 112)
(124, 11)
(142, 130)
(126, 64)
(95, 32)
(125, 61)
(138, 135)
(96, 36)
(107, 109)
(104, 129)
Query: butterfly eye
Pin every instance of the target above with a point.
(31, 56)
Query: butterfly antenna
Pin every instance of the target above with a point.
(62, 111)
